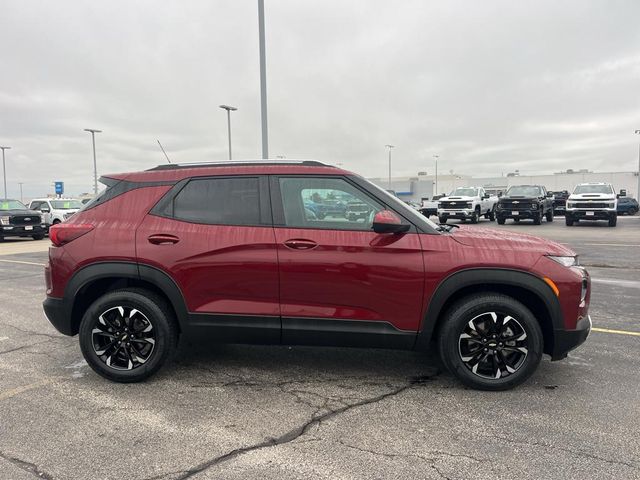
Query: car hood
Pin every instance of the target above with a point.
(457, 198)
(489, 238)
(18, 211)
(592, 196)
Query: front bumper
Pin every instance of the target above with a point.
(566, 340)
(457, 213)
(529, 213)
(22, 230)
(602, 214)
(56, 312)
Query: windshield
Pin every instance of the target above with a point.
(12, 205)
(606, 189)
(65, 204)
(524, 191)
(407, 211)
(464, 192)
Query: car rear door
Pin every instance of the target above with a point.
(340, 282)
(214, 237)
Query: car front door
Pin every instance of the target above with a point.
(214, 238)
(340, 282)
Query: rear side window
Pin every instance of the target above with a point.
(222, 201)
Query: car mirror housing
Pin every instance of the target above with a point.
(386, 221)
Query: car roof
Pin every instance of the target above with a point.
(178, 171)
(594, 183)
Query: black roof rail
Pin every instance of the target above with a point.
(236, 163)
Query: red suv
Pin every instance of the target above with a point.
(236, 253)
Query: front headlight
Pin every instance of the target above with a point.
(4, 220)
(566, 261)
(469, 205)
(439, 204)
(535, 206)
(612, 205)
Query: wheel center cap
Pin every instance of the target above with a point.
(492, 344)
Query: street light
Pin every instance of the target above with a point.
(229, 109)
(436, 158)
(4, 170)
(95, 166)
(638, 190)
(390, 147)
(263, 81)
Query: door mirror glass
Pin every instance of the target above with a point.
(386, 221)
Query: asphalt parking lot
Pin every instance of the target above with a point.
(278, 412)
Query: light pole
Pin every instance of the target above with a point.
(638, 190)
(436, 158)
(4, 170)
(95, 165)
(21, 183)
(390, 147)
(229, 109)
(263, 81)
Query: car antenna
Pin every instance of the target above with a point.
(165, 153)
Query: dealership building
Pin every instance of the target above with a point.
(423, 186)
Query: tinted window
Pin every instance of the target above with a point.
(524, 191)
(224, 201)
(329, 203)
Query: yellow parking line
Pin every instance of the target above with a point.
(23, 263)
(619, 332)
(18, 390)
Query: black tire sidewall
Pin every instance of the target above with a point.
(460, 314)
(151, 306)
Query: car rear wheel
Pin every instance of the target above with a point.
(127, 335)
(490, 342)
(632, 211)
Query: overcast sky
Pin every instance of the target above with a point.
(490, 86)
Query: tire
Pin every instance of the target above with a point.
(55, 222)
(632, 211)
(156, 346)
(613, 220)
(443, 218)
(516, 220)
(39, 236)
(537, 220)
(459, 350)
(501, 221)
(492, 214)
(549, 216)
(475, 217)
(568, 221)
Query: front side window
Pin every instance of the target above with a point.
(219, 201)
(328, 203)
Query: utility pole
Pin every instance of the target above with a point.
(436, 158)
(390, 147)
(229, 109)
(21, 183)
(263, 81)
(95, 165)
(638, 190)
(4, 170)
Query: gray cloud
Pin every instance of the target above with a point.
(490, 86)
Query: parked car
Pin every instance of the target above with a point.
(430, 207)
(182, 250)
(16, 220)
(55, 210)
(627, 206)
(592, 201)
(357, 210)
(467, 203)
(525, 202)
(560, 202)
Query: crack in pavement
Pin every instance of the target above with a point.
(293, 434)
(578, 453)
(27, 466)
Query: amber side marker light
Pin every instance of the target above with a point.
(553, 286)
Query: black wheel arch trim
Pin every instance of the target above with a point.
(125, 270)
(471, 277)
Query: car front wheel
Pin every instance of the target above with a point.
(127, 335)
(490, 341)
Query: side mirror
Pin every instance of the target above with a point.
(549, 194)
(386, 221)
(45, 209)
(623, 193)
(485, 196)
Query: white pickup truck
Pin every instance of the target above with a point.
(592, 201)
(467, 203)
